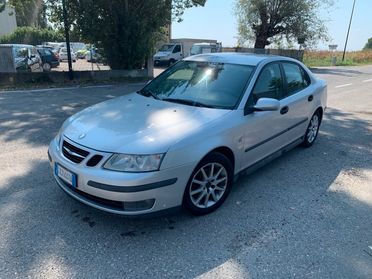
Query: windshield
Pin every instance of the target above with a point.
(216, 85)
(166, 48)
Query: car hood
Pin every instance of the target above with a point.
(135, 124)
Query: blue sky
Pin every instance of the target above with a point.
(217, 21)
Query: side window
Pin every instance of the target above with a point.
(297, 78)
(269, 84)
(177, 48)
(21, 52)
(307, 80)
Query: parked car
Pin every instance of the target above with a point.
(81, 54)
(176, 50)
(49, 58)
(63, 55)
(183, 138)
(76, 46)
(26, 58)
(94, 55)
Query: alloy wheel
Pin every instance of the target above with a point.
(312, 130)
(208, 185)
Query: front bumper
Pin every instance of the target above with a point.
(119, 192)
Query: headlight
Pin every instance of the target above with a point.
(134, 163)
(58, 138)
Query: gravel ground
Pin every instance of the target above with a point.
(307, 214)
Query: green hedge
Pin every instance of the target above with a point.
(31, 36)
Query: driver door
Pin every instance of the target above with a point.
(263, 129)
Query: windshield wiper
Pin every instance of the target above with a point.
(148, 93)
(187, 102)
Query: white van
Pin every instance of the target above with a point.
(26, 58)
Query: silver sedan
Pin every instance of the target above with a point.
(182, 139)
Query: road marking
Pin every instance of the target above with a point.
(56, 88)
(343, 85)
(367, 80)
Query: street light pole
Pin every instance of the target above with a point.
(67, 35)
(348, 31)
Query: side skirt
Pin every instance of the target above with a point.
(268, 159)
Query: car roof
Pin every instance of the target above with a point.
(251, 59)
(16, 45)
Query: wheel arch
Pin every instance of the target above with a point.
(321, 111)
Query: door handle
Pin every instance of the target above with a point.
(284, 110)
(310, 98)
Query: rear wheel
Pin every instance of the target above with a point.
(209, 184)
(312, 130)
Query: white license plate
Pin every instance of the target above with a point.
(66, 175)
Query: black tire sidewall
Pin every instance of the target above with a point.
(48, 69)
(214, 157)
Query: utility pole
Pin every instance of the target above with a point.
(348, 31)
(67, 35)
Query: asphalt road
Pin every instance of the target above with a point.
(308, 214)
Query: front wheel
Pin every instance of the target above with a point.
(171, 62)
(312, 130)
(47, 67)
(209, 184)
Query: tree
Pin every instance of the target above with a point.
(266, 20)
(126, 30)
(2, 5)
(29, 12)
(31, 36)
(368, 44)
(179, 6)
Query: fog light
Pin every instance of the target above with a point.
(139, 205)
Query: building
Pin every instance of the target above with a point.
(8, 21)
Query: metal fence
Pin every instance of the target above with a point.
(25, 63)
(293, 53)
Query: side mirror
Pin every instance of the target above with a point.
(267, 104)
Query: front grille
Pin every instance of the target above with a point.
(118, 205)
(73, 153)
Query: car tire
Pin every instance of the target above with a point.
(209, 184)
(171, 62)
(47, 67)
(312, 129)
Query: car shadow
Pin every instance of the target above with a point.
(295, 216)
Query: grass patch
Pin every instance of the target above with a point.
(323, 58)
